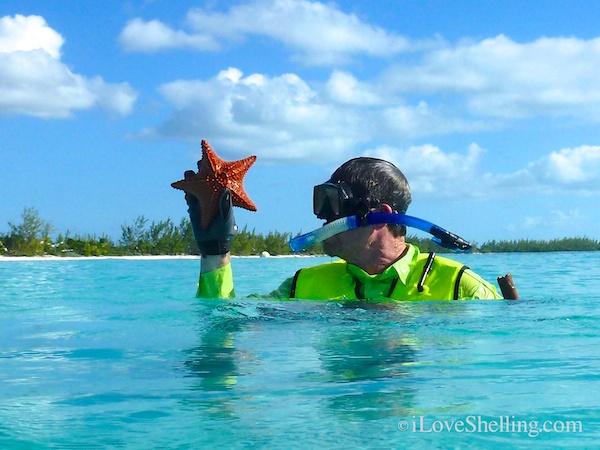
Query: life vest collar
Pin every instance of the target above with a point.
(399, 270)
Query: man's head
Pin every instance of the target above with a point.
(361, 185)
(357, 187)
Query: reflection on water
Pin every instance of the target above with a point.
(366, 353)
(327, 356)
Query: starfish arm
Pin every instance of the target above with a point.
(213, 177)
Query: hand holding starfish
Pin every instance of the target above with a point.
(210, 194)
(213, 177)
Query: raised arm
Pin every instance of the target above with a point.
(211, 194)
(214, 242)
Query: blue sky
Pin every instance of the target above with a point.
(491, 109)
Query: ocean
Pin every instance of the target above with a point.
(118, 354)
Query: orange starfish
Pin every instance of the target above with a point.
(213, 177)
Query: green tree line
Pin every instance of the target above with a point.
(32, 237)
(530, 245)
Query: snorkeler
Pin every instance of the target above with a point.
(363, 205)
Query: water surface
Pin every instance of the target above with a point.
(115, 353)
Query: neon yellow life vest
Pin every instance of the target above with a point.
(431, 278)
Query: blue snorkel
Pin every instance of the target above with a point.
(441, 237)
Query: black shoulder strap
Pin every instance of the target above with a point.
(294, 281)
(457, 283)
(426, 270)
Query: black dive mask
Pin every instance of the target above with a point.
(334, 200)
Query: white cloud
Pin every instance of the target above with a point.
(290, 118)
(471, 86)
(434, 173)
(343, 87)
(495, 77)
(154, 36)
(20, 33)
(532, 222)
(35, 82)
(570, 168)
(552, 221)
(502, 78)
(429, 170)
(318, 33)
(565, 172)
(282, 114)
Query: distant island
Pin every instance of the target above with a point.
(31, 237)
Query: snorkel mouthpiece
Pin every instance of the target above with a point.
(441, 237)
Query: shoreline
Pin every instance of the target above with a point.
(135, 257)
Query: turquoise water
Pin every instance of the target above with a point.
(114, 353)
